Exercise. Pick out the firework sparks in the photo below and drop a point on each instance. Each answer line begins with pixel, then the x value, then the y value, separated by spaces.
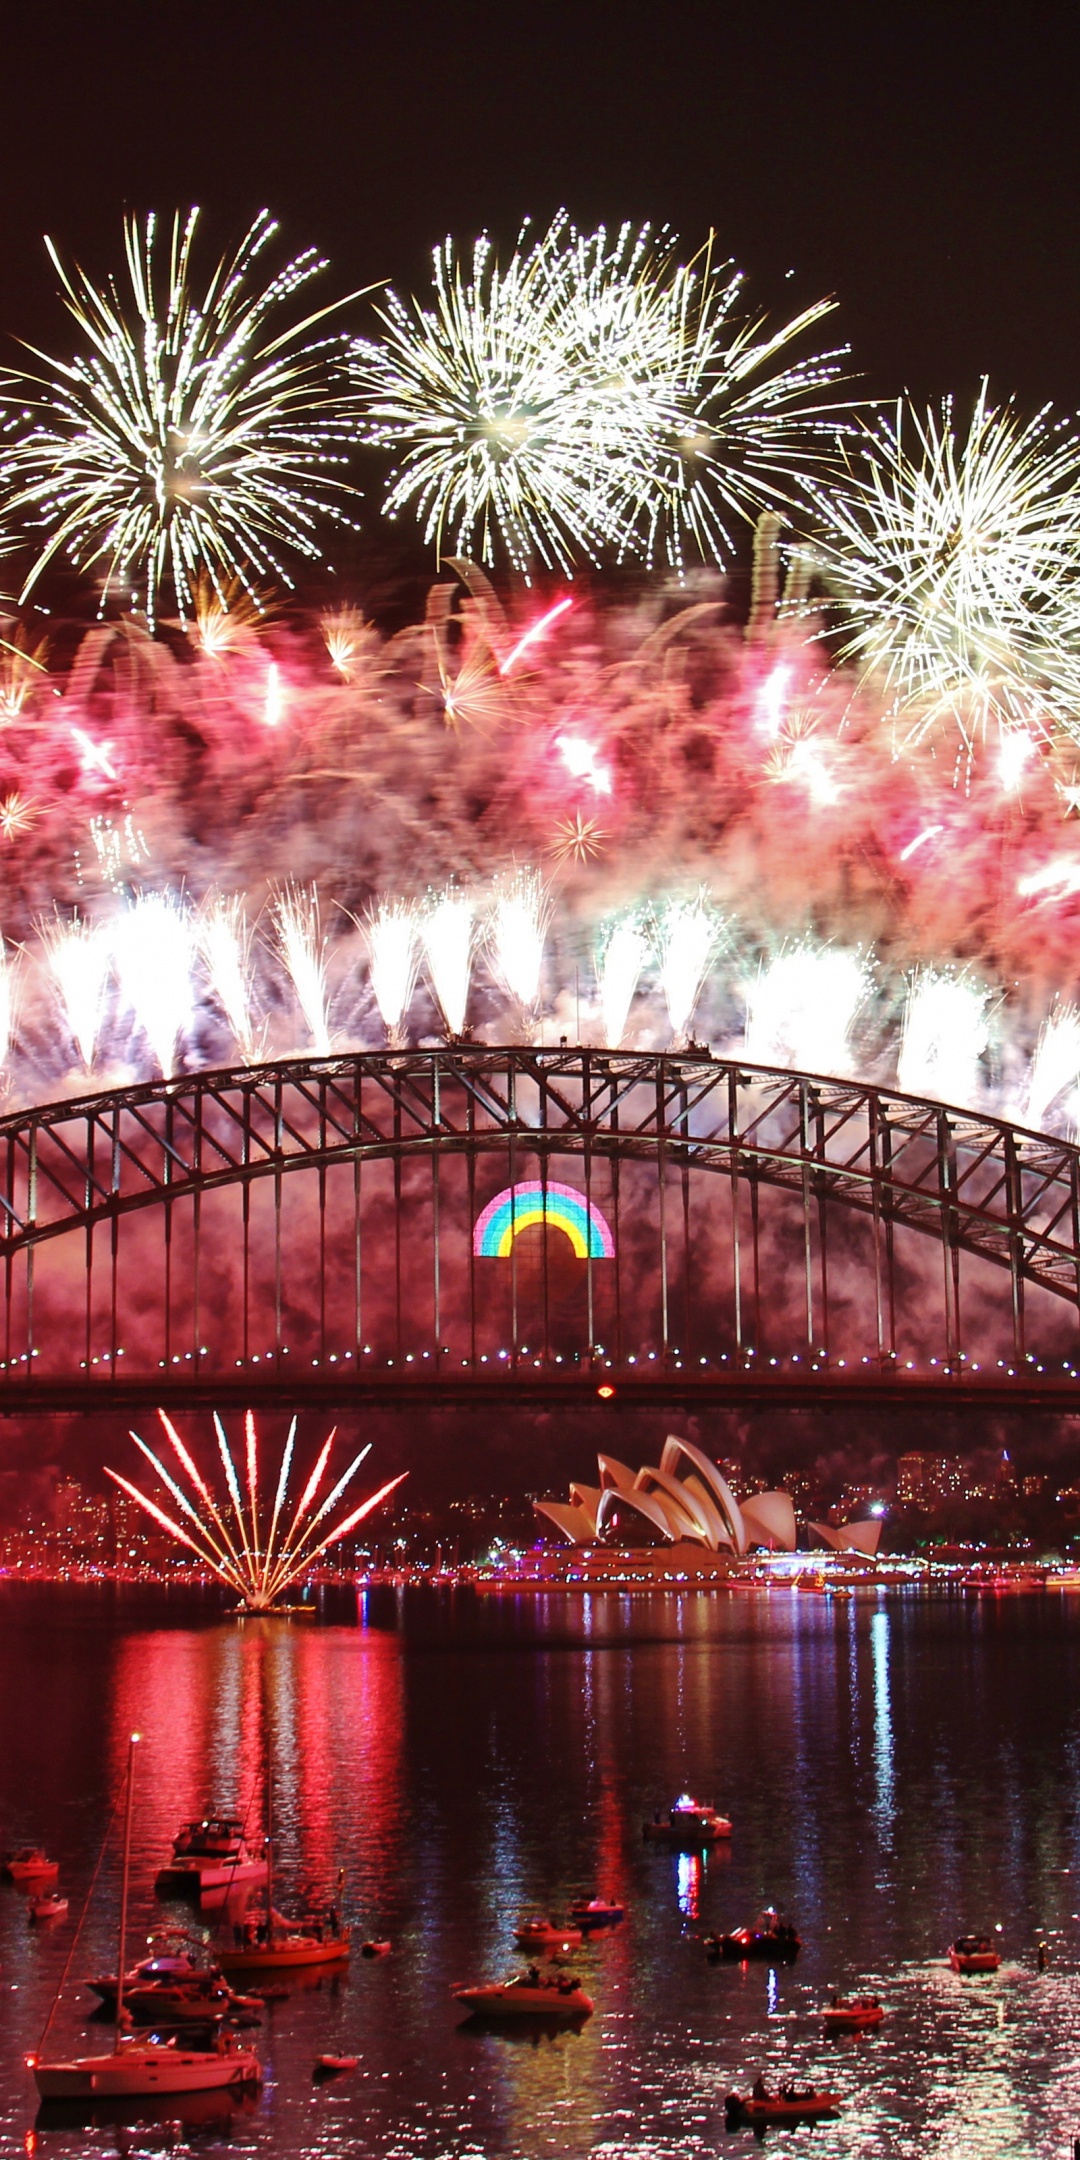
pixel 944 1037
pixel 1055 1066
pixel 578 839
pixel 22 669
pixel 516 930
pixel 689 933
pixel 7 1001
pixel 152 946
pixel 225 620
pixel 803 1007
pixel 78 955
pixel 191 433
pixel 303 950
pixel 580 760
pixel 952 557
pixel 624 950
pixel 18 814
pixel 448 935
pixel 224 939
pixel 394 957
pixel 225 1535
pixel 346 636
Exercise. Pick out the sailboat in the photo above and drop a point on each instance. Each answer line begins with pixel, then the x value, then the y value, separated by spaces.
pixel 135 2068
pixel 284 1944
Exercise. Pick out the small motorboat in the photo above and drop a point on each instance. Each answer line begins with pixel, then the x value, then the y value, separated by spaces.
pixel 547 1935
pixel 771 1940
pixel 974 1954
pixel 597 1912
pixel 29 1864
pixel 528 1994
pixel 852 2013
pixel 50 1907
pixel 688 1824
pixel 162 1969
pixel 181 2002
pixel 210 1859
pixel 327 2066
pixel 790 2103
pixel 375 1949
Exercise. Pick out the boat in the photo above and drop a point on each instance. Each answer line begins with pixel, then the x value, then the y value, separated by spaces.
pixel 276 1944
pixel 162 1967
pixel 788 2104
pixel 210 1857
pixel 334 2065
pixel 135 2068
pixel 29 1864
pixel 50 1907
pixel 597 1912
pixel 528 1994
pixel 974 1954
pixel 373 1949
pixel 688 1823
pixel 183 2002
pixel 852 2013
pixel 547 1935
pixel 770 1939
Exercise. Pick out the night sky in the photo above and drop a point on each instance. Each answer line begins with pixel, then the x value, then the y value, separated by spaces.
pixel 922 163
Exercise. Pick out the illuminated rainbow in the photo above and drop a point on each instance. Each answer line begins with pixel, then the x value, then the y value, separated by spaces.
pixel 520 1205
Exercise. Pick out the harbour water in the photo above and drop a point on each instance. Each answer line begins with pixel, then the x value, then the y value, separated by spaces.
pixel 899 1768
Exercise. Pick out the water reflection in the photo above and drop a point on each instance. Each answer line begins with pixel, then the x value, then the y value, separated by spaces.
pixel 883 1729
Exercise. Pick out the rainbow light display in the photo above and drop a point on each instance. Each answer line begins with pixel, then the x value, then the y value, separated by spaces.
pixel 521 1205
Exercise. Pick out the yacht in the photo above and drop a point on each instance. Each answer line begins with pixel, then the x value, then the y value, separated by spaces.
pixel 688 1824
pixel 210 1856
pixel 528 1994
pixel 547 1935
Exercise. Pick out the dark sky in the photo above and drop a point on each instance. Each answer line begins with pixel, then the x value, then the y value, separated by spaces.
pixel 922 162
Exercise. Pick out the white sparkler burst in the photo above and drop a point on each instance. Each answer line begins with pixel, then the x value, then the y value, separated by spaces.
pixel 153 949
pixel 302 948
pixel 622 953
pixel 1055 1066
pixel 193 431
pixel 953 557
pixel 802 1009
pixel 227 1535
pixel 945 1034
pixel 448 934
pixel 593 394
pixel 224 939
pixel 394 957
pixel 516 927
pixel 7 1001
pixel 347 637
pixel 688 935
pixel 79 958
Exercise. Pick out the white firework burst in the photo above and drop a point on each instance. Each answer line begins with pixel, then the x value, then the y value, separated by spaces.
pixel 593 394
pixel 952 556
pixel 194 432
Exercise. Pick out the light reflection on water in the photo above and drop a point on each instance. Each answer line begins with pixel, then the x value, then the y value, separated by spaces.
pixel 896 1769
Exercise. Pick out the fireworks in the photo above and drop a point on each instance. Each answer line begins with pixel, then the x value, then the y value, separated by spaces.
pixel 689 933
pixel 1055 1067
pixel 194 433
pixel 516 937
pixel 593 395
pixel 953 557
pixel 624 949
pixel 945 1035
pixel 152 947
pixel 227 1535
pixel 392 944
pixel 224 938
pixel 79 958
pixel 303 950
pixel 448 934
pixel 803 1007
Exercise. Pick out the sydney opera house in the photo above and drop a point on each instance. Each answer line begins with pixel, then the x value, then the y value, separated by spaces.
pixel 687 1501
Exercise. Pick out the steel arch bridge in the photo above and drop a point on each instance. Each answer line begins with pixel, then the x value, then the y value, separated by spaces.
pixel 303 1230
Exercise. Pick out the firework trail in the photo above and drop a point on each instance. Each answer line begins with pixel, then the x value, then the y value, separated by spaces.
pixel 194 433
pixel 260 1570
pixel 79 958
pixel 624 950
pixel 224 940
pixel 392 944
pixel 303 950
pixel 803 1007
pixel 7 1000
pixel 516 931
pixel 448 935
pixel 688 935
pixel 953 559
pixel 1055 1066
pixel 945 1036
pixel 152 947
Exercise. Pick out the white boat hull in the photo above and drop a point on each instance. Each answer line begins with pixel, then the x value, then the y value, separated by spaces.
pixel 191 1879
pixel 139 2070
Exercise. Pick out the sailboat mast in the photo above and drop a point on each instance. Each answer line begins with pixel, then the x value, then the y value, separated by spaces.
pixel 124 1882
